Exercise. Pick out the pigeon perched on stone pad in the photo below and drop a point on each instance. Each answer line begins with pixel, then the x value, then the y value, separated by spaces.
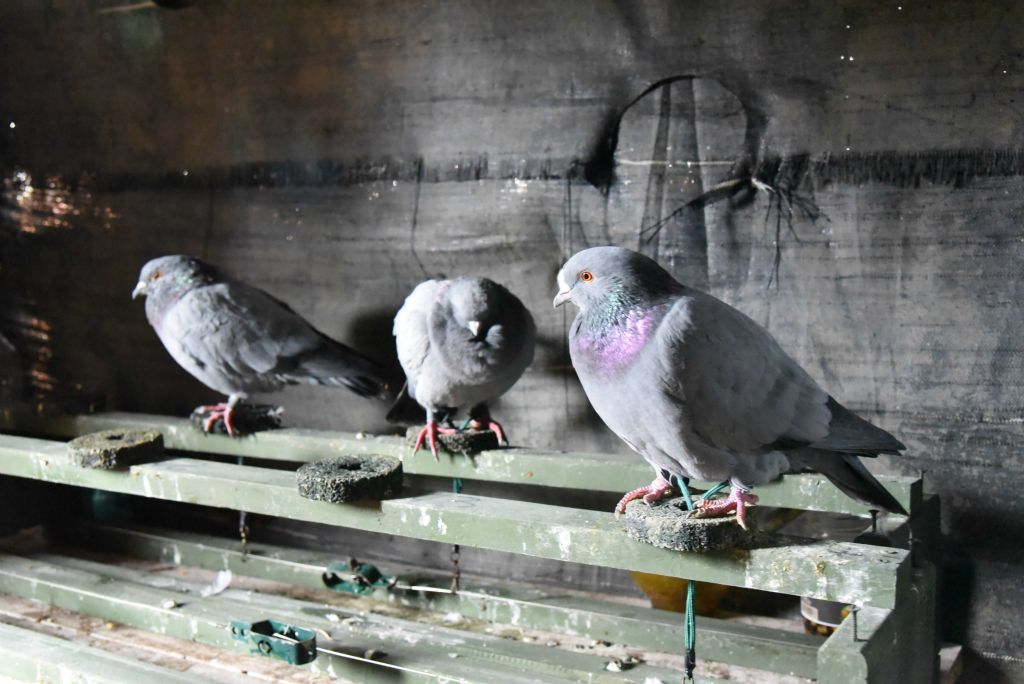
pixel 702 391
pixel 461 343
pixel 238 340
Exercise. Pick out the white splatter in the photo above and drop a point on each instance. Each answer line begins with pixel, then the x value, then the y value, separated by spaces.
pixel 564 542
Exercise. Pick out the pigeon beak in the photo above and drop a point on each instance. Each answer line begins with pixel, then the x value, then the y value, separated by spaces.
pixel 140 288
pixel 474 327
pixel 562 297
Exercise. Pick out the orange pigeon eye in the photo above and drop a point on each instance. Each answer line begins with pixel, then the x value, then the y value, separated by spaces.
pixel 156 275
pixel 586 276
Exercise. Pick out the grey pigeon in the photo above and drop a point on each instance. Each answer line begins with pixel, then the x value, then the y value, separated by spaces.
pixel 237 339
pixel 700 390
pixel 461 343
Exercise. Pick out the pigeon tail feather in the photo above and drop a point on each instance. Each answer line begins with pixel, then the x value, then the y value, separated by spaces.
pixel 850 433
pixel 847 473
pixel 336 365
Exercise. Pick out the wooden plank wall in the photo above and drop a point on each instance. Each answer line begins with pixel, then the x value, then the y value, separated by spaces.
pixel 335 153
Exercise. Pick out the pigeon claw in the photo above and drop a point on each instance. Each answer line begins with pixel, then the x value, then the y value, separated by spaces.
pixel 224 412
pixel 429 434
pixel 738 500
pixel 652 493
pixel 492 425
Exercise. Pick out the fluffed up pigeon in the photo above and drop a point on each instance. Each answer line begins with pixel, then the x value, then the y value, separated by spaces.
pixel 700 390
pixel 237 339
pixel 461 343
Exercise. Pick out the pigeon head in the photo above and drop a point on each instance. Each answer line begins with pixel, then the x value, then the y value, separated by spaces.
pixel 475 302
pixel 170 276
pixel 609 279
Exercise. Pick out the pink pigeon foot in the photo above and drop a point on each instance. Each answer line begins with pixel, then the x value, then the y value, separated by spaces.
pixel 225 412
pixel 656 491
pixel 492 425
pixel 738 500
pixel 429 433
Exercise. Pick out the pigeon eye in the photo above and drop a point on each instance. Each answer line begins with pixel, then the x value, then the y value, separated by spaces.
pixel 586 276
pixel 156 275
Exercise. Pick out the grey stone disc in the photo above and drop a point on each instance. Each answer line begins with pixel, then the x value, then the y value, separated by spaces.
pixel 464 442
pixel 115 448
pixel 349 478
pixel 667 524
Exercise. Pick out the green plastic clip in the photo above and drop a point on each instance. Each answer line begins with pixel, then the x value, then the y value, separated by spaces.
pixel 353 577
pixel 278 640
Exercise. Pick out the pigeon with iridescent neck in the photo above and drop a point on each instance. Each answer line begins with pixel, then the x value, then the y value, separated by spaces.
pixel 462 343
pixel 237 339
pixel 702 391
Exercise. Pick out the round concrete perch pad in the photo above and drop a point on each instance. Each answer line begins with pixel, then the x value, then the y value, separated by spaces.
pixel 349 478
pixel 668 525
pixel 115 448
pixel 465 442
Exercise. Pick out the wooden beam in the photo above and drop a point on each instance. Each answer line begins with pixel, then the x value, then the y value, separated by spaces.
pixel 593 472
pixel 506 602
pixel 30 656
pixel 851 573
pixel 887 645
pixel 420 652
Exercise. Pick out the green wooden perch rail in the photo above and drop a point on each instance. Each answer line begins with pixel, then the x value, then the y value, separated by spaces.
pixel 894 588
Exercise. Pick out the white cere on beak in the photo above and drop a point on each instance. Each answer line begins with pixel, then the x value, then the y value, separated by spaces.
pixel 140 288
pixel 474 327
pixel 562 285
pixel 564 292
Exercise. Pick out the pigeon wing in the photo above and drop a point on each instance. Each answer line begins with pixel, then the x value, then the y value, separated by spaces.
pixel 412 332
pixel 241 333
pixel 736 389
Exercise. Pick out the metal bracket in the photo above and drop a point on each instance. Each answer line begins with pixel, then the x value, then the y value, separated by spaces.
pixel 357 578
pixel 278 640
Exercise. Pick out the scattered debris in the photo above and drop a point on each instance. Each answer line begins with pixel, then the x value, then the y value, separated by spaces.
pixel 220 583
pixel 621 664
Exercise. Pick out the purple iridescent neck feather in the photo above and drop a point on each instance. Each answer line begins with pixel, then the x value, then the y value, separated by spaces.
pixel 608 339
pixel 615 346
